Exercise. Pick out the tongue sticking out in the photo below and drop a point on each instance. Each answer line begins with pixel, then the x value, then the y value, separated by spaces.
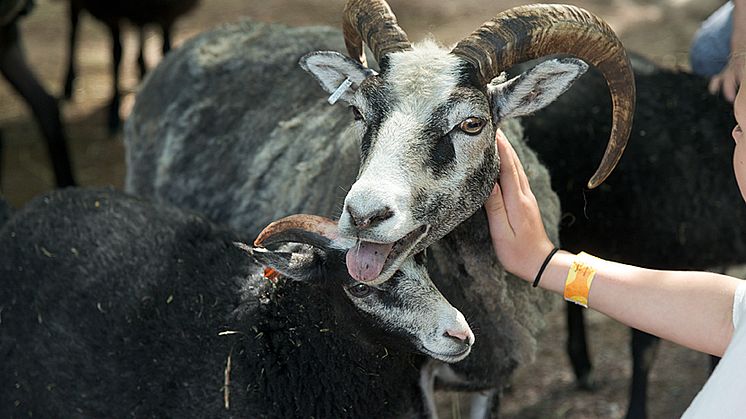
pixel 365 260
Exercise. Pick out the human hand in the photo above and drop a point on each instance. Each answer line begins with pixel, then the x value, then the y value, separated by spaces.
pixel 518 236
pixel 729 79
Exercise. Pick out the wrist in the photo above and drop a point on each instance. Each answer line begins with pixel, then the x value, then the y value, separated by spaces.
pixel 531 263
pixel 544 264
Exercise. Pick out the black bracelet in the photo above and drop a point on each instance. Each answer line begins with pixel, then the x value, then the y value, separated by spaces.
pixel 543 266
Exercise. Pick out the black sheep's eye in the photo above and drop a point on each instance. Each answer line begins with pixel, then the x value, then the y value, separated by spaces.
pixel 360 290
pixel 356 114
pixel 472 125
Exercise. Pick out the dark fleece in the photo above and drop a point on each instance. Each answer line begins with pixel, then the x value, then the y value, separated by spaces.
pixel 672 202
pixel 112 307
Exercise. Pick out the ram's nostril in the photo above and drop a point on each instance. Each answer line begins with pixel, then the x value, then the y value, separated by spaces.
pixel 460 335
pixel 381 215
pixel 364 220
pixel 354 215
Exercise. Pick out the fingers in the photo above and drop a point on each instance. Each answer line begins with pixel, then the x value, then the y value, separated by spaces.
pixel 495 207
pixel 730 87
pixel 714 86
pixel 511 170
pixel 726 82
pixel 509 176
pixel 511 164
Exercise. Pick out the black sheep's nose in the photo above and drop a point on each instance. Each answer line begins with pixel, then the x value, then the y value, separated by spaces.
pixel 362 220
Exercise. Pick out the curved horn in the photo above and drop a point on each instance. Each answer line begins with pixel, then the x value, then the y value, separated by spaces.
pixel 372 21
pixel 527 32
pixel 300 228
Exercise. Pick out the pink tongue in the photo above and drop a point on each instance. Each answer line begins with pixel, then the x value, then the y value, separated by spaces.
pixel 365 261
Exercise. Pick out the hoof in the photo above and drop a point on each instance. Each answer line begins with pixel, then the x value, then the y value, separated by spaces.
pixel 586 382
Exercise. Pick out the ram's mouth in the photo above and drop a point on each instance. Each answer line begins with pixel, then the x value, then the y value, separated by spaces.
pixel 449 357
pixel 374 263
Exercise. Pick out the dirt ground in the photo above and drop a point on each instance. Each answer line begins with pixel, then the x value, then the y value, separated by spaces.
pixel 659 29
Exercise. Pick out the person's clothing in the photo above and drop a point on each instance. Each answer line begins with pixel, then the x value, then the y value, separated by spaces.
pixel 724 394
pixel 710 48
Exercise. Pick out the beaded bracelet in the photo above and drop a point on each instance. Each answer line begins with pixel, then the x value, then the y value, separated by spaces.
pixel 579 278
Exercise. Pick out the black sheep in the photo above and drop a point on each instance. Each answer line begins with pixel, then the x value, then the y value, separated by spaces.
pixel 111 13
pixel 114 307
pixel 672 203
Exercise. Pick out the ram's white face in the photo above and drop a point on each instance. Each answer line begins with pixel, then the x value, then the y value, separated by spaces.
pixel 428 156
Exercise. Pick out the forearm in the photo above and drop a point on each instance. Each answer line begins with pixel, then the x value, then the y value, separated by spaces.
pixel 693 309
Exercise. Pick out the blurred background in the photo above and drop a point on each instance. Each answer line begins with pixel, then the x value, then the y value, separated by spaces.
pixel 658 29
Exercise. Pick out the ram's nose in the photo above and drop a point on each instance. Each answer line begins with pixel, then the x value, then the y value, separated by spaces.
pixel 368 218
pixel 462 335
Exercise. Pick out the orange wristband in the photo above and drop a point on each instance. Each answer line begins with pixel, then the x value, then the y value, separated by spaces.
pixel 579 278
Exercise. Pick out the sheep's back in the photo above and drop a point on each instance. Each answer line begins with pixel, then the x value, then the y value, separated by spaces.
pixel 672 202
pixel 107 302
pixel 231 126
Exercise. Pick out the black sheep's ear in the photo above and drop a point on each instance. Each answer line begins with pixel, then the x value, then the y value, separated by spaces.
pixel 303 265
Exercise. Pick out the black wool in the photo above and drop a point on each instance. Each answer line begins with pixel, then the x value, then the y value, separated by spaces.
pixel 115 307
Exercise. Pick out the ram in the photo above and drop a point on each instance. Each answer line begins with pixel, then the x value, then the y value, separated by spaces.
pixel 672 202
pixel 114 307
pixel 229 126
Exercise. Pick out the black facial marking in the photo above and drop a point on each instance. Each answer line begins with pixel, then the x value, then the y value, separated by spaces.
pixel 479 182
pixel 441 156
pixel 387 295
pixel 379 103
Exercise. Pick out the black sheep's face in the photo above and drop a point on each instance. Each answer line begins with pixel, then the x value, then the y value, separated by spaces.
pixel 407 309
pixel 428 154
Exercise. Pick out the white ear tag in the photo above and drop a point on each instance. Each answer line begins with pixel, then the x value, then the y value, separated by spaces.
pixel 340 91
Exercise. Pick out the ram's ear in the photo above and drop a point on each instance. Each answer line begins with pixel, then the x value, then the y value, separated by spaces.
pixel 534 89
pixel 338 75
pixel 306 264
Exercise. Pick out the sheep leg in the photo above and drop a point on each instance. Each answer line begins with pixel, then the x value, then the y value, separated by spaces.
pixel 116 51
pixel 1 162
pixel 166 29
pixel 72 40
pixel 644 349
pixel 427 387
pixel 141 55
pixel 44 107
pixel 577 347
pixel 484 405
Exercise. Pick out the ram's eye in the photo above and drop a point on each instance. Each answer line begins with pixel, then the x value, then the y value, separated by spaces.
pixel 359 290
pixel 472 125
pixel 356 114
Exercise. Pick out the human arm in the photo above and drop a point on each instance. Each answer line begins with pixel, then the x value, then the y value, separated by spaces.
pixel 729 78
pixel 693 309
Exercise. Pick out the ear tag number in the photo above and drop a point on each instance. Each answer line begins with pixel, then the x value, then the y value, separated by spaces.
pixel 340 91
